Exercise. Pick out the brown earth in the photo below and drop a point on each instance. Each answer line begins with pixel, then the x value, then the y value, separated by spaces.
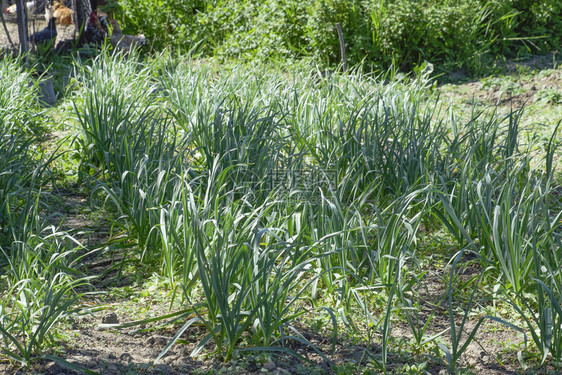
pixel 521 84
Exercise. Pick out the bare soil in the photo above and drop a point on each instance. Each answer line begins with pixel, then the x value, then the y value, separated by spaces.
pixel 520 92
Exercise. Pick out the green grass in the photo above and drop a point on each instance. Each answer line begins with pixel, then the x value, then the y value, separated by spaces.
pixel 266 198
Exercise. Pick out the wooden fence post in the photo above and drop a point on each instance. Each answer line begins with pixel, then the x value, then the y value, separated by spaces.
pixel 342 47
pixel 21 13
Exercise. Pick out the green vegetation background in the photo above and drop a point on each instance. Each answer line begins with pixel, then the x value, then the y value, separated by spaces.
pixel 378 33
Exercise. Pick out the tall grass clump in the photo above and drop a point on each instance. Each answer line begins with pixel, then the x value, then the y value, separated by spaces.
pixel 20 172
pixel 542 312
pixel 263 190
pixel 42 283
pixel 321 216
pixel 250 275
pixel 112 91
pixel 540 306
pixel 501 208
pixel 127 143
pixel 18 96
pixel 17 194
pixel 490 202
pixel 246 282
pixel 144 170
pixel 375 133
pixel 39 264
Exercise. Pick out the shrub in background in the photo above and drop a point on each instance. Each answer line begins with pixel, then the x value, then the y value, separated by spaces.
pixel 166 23
pixel 525 26
pixel 408 33
pixel 377 32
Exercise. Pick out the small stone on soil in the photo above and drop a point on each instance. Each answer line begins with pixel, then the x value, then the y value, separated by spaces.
pixel 125 357
pixel 157 340
pixel 110 318
pixel 270 365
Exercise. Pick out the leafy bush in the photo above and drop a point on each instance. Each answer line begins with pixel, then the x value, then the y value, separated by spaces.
pixel 166 23
pixel 525 26
pixel 410 32
pixel 378 33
